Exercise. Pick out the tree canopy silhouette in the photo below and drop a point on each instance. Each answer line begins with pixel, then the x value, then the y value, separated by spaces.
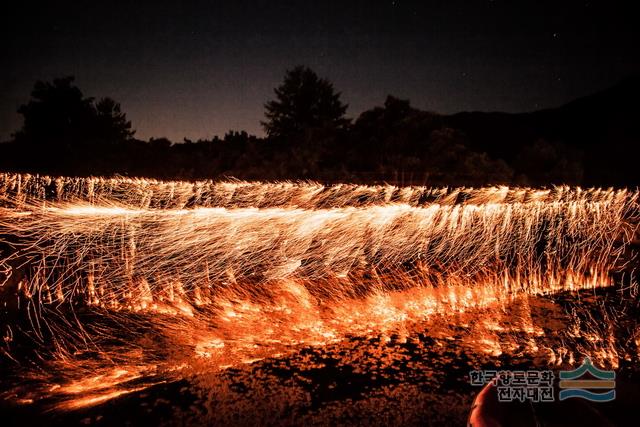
pixel 59 114
pixel 111 122
pixel 303 101
pixel 65 133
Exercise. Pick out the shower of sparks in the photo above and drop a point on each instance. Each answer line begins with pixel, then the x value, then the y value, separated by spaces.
pixel 126 283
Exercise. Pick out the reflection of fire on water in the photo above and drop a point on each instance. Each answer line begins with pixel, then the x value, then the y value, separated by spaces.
pixel 129 283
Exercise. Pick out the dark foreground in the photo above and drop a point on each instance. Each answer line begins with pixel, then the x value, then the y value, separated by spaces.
pixel 417 377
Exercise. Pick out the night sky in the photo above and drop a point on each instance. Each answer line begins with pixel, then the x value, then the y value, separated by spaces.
pixel 200 69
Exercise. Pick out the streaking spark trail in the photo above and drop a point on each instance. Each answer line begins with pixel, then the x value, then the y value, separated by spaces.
pixel 116 285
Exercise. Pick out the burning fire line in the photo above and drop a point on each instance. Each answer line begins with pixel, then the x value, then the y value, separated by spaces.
pixel 137 281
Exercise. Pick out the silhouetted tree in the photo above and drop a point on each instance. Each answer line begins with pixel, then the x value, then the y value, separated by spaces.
pixel 111 122
pixel 448 158
pixel 58 114
pixel 545 162
pixel 303 101
pixel 590 141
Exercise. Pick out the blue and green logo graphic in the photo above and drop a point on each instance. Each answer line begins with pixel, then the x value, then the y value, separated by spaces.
pixel 572 385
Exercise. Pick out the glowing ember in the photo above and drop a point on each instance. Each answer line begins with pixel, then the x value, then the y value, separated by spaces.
pixel 139 282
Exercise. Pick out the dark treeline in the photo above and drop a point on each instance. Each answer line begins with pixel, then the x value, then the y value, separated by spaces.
pixel 591 141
